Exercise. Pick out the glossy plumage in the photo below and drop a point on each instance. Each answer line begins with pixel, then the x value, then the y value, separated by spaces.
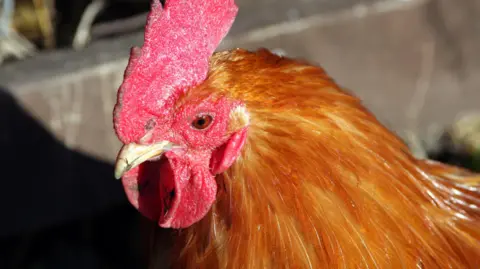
pixel 321 183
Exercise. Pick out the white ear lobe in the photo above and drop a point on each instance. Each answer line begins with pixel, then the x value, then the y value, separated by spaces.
pixel 239 118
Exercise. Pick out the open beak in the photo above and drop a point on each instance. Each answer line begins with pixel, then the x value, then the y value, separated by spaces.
pixel 133 154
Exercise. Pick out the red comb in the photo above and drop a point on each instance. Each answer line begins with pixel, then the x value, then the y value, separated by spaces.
pixel 179 40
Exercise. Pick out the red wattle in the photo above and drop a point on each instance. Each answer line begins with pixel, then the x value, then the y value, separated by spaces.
pixel 195 193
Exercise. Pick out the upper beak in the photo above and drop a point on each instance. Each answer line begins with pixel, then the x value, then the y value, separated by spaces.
pixel 133 154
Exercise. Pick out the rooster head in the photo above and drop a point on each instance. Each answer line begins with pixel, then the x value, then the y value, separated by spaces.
pixel 175 145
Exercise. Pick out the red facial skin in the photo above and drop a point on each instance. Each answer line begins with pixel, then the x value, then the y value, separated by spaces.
pixel 183 180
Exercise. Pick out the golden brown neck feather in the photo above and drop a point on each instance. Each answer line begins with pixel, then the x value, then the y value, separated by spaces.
pixel 321 184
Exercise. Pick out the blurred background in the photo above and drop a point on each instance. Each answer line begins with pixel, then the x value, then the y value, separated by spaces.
pixel 415 63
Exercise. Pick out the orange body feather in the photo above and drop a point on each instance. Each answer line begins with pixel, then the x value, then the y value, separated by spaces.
pixel 322 184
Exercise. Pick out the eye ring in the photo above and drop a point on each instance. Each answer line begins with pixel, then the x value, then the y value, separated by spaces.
pixel 202 121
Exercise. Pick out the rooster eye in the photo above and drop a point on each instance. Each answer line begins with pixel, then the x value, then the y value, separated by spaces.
pixel 202 122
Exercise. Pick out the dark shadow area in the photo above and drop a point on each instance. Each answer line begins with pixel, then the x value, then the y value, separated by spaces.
pixel 59 208
pixel 69 14
pixel 448 152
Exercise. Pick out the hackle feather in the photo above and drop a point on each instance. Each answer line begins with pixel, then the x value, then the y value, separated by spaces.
pixel 322 184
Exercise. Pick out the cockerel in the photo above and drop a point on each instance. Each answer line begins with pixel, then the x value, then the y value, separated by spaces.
pixel 260 161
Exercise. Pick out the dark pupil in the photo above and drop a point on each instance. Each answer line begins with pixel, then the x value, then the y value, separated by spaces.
pixel 202 122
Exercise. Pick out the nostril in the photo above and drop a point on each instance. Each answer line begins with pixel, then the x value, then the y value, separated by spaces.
pixel 150 124
pixel 172 194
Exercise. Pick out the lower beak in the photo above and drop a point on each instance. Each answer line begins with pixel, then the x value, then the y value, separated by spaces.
pixel 133 154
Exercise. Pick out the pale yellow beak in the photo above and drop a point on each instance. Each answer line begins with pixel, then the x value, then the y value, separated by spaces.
pixel 133 154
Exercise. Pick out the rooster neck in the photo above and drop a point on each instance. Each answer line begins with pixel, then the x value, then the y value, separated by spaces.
pixel 322 184
pixel 261 220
